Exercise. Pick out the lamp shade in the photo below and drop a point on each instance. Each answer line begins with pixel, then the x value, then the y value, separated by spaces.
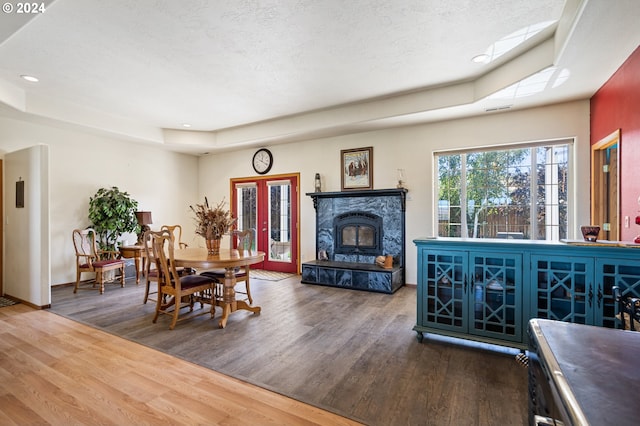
pixel 144 218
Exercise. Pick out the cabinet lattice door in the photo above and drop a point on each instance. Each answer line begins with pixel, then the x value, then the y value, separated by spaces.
pixel 497 295
pixel 445 301
pixel 625 274
pixel 565 290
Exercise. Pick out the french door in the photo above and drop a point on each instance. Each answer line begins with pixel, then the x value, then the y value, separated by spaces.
pixel 270 206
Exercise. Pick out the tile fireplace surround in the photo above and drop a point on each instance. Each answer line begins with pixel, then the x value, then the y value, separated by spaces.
pixel 353 228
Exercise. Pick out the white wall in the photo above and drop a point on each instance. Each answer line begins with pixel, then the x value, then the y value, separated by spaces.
pixel 410 148
pixel 162 182
pixel 27 272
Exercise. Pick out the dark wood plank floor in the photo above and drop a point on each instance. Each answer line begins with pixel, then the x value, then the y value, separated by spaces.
pixel 350 352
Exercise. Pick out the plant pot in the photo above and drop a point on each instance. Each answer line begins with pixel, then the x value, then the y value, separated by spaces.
pixel 213 246
pixel 108 276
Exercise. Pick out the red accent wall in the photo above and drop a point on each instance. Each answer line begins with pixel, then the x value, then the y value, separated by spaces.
pixel 616 105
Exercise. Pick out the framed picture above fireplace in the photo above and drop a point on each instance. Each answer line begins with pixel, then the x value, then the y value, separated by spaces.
pixel 357 168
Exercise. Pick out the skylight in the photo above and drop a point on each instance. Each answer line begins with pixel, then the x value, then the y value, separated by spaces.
pixel 511 41
pixel 533 84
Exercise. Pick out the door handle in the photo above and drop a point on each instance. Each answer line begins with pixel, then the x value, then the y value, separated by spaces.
pixel 600 295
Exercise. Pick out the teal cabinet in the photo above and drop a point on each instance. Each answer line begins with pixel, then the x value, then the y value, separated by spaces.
pixel 470 293
pixel 496 282
pixel 611 272
pixel 444 295
pixel 563 288
pixel 488 289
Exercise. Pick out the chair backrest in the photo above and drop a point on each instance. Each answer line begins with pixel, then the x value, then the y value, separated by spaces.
pixel 245 239
pixel 176 231
pixel 148 250
pixel 84 242
pixel 162 245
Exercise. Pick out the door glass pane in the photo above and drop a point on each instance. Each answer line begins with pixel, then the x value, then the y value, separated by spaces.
pixel 247 207
pixel 279 221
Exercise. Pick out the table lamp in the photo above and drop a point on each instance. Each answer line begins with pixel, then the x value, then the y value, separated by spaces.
pixel 144 220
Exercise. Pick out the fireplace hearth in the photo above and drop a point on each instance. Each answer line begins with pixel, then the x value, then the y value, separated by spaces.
pixel 352 229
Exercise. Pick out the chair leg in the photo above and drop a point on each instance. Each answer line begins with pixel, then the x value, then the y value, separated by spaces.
pixel 213 300
pixel 146 291
pixel 158 305
pixel 77 281
pixel 122 276
pixel 176 312
pixel 100 280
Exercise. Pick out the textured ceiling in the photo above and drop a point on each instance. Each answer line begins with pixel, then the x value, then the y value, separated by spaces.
pixel 251 72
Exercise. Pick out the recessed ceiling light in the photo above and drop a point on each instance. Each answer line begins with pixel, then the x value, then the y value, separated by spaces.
pixel 30 78
pixel 186 125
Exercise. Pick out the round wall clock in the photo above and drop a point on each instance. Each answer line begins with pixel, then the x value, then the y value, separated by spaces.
pixel 262 161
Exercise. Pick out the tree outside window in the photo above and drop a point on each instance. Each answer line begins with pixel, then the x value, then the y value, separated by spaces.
pixel 488 194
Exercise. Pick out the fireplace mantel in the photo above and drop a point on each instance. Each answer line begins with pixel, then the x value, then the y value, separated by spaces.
pixel 402 193
pixel 356 269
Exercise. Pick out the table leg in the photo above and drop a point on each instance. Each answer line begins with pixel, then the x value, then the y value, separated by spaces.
pixel 229 302
pixel 136 259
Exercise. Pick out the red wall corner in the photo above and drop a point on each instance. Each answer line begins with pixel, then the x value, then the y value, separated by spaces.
pixel 616 105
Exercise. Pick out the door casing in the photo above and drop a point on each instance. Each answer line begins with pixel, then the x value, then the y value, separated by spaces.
pixel 605 187
pixel 295 213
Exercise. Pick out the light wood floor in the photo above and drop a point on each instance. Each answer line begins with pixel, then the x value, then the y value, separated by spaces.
pixel 59 372
pixel 350 352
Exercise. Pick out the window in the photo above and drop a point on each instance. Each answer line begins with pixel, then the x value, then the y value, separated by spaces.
pixel 519 192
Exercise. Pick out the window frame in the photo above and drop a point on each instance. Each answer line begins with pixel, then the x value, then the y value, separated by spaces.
pixel 571 176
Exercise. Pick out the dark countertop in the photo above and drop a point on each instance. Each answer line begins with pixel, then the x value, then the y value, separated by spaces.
pixel 601 367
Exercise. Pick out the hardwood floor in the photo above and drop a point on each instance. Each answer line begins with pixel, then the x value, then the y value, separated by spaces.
pixel 353 353
pixel 58 372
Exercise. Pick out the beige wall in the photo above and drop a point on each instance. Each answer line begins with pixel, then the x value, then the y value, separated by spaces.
pixel 27 258
pixel 80 163
pixel 410 148
pixel 167 183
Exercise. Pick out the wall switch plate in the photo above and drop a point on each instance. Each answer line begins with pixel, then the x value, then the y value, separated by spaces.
pixel 626 221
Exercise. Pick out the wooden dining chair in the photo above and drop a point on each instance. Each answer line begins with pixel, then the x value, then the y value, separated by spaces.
pixel 151 272
pixel 90 259
pixel 245 240
pixel 176 232
pixel 176 292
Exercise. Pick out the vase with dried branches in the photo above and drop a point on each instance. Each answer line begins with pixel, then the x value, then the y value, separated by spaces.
pixel 212 223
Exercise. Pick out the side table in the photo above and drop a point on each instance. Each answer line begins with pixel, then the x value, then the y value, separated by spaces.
pixel 138 254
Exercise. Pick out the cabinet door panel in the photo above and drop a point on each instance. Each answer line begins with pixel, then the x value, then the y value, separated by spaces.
pixel 496 288
pixel 445 290
pixel 624 274
pixel 565 289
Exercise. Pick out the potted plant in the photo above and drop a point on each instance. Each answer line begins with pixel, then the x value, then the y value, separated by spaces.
pixel 212 223
pixel 112 213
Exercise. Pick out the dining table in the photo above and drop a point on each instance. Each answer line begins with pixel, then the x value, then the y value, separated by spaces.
pixel 200 259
